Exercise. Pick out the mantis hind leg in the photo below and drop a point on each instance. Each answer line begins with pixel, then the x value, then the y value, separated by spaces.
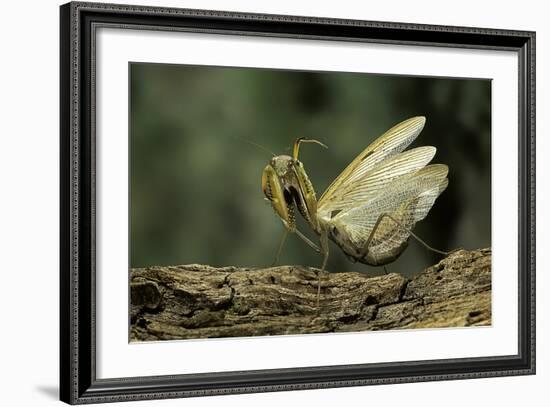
pixel 419 240
pixel 399 225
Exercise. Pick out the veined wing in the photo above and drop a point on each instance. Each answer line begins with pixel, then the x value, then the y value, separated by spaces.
pixel 389 238
pixel 387 145
pixel 408 199
pixel 359 189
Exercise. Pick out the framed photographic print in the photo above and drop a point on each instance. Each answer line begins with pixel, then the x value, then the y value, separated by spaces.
pixel 256 203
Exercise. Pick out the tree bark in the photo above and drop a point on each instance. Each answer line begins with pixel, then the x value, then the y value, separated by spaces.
pixel 199 301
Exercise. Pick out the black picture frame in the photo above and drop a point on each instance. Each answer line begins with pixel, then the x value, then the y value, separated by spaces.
pixel 78 382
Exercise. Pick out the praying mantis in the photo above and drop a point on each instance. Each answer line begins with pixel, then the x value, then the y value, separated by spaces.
pixel 370 209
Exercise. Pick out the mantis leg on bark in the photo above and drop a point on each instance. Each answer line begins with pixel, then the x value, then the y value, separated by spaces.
pixel 283 240
pixel 323 240
pixel 400 225
pixel 280 249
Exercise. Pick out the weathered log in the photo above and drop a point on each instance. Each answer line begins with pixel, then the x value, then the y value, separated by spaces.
pixel 198 301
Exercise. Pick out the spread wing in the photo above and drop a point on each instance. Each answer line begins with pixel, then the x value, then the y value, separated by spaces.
pixel 358 190
pixel 387 145
pixel 407 199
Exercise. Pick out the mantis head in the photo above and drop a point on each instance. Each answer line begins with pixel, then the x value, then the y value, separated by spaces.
pixel 285 183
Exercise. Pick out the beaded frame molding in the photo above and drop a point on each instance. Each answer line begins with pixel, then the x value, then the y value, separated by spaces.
pixel 78 381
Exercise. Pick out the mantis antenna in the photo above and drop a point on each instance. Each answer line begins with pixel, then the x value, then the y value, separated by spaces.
pixel 255 145
pixel 304 140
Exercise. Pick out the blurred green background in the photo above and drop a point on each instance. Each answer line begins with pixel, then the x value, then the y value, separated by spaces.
pixel 196 194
